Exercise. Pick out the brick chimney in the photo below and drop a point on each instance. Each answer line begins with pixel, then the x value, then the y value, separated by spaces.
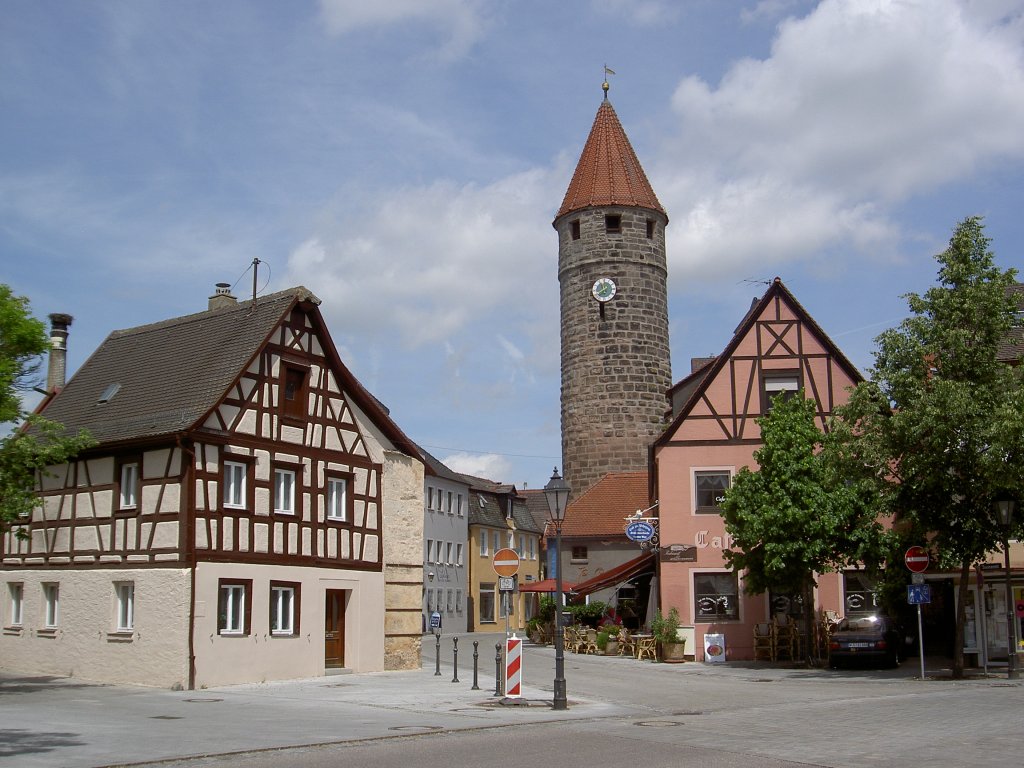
pixel 222 297
pixel 56 372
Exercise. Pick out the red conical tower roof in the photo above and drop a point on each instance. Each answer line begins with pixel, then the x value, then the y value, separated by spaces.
pixel 608 172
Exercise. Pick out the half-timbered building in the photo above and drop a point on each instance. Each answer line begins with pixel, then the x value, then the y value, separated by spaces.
pixel 250 512
pixel 777 348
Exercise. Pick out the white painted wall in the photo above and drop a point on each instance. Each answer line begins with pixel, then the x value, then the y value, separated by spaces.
pixel 259 656
pixel 85 643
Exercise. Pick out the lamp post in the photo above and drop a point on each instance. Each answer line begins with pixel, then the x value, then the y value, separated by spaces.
pixel 1005 507
pixel 557 494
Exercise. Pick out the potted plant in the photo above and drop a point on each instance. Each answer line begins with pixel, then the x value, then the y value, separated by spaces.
pixel 608 639
pixel 666 632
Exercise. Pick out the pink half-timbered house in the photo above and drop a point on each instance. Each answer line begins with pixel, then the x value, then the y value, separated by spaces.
pixel 250 511
pixel 777 348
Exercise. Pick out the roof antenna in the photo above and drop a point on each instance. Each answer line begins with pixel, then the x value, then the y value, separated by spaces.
pixel 604 85
pixel 255 269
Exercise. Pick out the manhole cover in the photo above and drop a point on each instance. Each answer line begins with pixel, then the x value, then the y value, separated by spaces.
pixel 165 717
pixel 686 714
pixel 657 723
pixel 415 728
pixel 203 701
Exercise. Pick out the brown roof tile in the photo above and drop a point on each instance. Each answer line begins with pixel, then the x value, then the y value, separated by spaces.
pixel 602 509
pixel 608 172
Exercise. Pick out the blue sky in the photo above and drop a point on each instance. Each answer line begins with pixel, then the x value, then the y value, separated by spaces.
pixel 404 160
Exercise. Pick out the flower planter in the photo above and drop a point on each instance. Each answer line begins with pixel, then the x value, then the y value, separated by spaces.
pixel 673 653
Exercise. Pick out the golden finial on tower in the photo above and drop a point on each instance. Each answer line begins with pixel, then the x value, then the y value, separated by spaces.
pixel 604 85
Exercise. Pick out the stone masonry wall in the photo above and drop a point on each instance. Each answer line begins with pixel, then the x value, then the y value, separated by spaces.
pixel 616 369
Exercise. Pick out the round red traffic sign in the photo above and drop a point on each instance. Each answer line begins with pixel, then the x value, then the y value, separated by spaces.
pixel 506 562
pixel 917 559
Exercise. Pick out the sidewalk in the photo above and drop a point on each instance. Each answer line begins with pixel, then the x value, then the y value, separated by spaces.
pixel 47 721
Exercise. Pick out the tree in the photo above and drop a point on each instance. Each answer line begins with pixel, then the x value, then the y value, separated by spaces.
pixel 22 342
pixel 34 443
pixel 935 428
pixel 795 517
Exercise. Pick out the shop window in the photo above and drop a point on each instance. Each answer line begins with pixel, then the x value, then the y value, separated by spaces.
pixel 716 596
pixel 859 596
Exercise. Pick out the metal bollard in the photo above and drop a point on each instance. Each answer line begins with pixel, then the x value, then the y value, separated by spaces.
pixel 437 657
pixel 497 669
pixel 455 658
pixel 476 661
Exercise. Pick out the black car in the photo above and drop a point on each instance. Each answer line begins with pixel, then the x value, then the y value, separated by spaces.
pixel 869 638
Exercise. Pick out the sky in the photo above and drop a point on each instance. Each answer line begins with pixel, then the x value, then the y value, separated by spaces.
pixel 404 160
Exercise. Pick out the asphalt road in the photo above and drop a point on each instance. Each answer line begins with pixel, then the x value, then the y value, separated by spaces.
pixel 622 712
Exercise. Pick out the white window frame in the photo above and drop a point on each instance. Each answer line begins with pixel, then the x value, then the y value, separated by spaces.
pixel 124 592
pixel 451 511
pixel 234 621
pixel 337 501
pixel 459 508
pixel 448 553
pixel 51 605
pixel 458 601
pixel 284 491
pixel 282 610
pixel 485 538
pixel 129 485
pixel 16 593
pixel 697 471
pixel 497 540
pixel 430 551
pixel 458 554
pixel 235 479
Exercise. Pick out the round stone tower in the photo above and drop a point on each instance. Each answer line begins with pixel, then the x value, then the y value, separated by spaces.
pixel 612 276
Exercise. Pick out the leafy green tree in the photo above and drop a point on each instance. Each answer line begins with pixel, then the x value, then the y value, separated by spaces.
pixel 795 516
pixel 937 427
pixel 22 342
pixel 33 442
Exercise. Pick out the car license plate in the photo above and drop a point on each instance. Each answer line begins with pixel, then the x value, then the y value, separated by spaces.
pixel 862 645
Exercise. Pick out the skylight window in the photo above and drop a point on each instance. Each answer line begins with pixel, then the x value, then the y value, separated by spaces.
pixel 109 392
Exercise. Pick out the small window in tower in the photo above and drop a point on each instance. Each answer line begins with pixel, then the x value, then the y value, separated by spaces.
pixel 574 227
pixel 650 229
pixel 612 222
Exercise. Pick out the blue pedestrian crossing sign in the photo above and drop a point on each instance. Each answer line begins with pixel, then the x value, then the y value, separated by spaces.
pixel 919 594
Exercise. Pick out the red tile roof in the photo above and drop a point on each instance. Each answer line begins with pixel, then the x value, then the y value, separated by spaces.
pixel 602 509
pixel 608 172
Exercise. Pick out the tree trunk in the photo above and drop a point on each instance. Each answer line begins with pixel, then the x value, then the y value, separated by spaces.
pixel 961 620
pixel 810 652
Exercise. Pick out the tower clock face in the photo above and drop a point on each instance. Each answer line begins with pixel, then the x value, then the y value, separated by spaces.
pixel 604 289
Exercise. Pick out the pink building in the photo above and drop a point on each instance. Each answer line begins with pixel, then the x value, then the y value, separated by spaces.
pixel 777 348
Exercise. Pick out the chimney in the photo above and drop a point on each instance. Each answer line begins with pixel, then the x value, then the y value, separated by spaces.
pixel 696 363
pixel 56 372
pixel 222 297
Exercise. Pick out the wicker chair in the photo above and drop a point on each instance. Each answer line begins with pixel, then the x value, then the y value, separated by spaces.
pixel 764 642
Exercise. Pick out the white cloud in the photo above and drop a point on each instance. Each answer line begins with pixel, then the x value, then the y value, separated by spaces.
pixel 460 20
pixel 861 105
pixel 429 262
pixel 641 13
pixel 486 465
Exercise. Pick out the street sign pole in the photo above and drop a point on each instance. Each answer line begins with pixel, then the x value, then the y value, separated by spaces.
pixel 917 559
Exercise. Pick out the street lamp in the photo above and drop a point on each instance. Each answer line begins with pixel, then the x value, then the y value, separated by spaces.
pixel 1005 506
pixel 557 494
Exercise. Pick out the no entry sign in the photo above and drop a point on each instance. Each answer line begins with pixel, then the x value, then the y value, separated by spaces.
pixel 506 562
pixel 916 559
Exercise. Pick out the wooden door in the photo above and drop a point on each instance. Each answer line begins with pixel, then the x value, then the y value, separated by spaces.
pixel 334 628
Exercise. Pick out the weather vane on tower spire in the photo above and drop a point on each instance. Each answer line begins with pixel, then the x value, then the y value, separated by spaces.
pixel 604 85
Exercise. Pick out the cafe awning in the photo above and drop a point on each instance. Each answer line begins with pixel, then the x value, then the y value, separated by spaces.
pixel 616 575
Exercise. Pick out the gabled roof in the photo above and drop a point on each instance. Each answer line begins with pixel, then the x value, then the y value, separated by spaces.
pixel 694 385
pixel 603 507
pixel 608 172
pixel 170 374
